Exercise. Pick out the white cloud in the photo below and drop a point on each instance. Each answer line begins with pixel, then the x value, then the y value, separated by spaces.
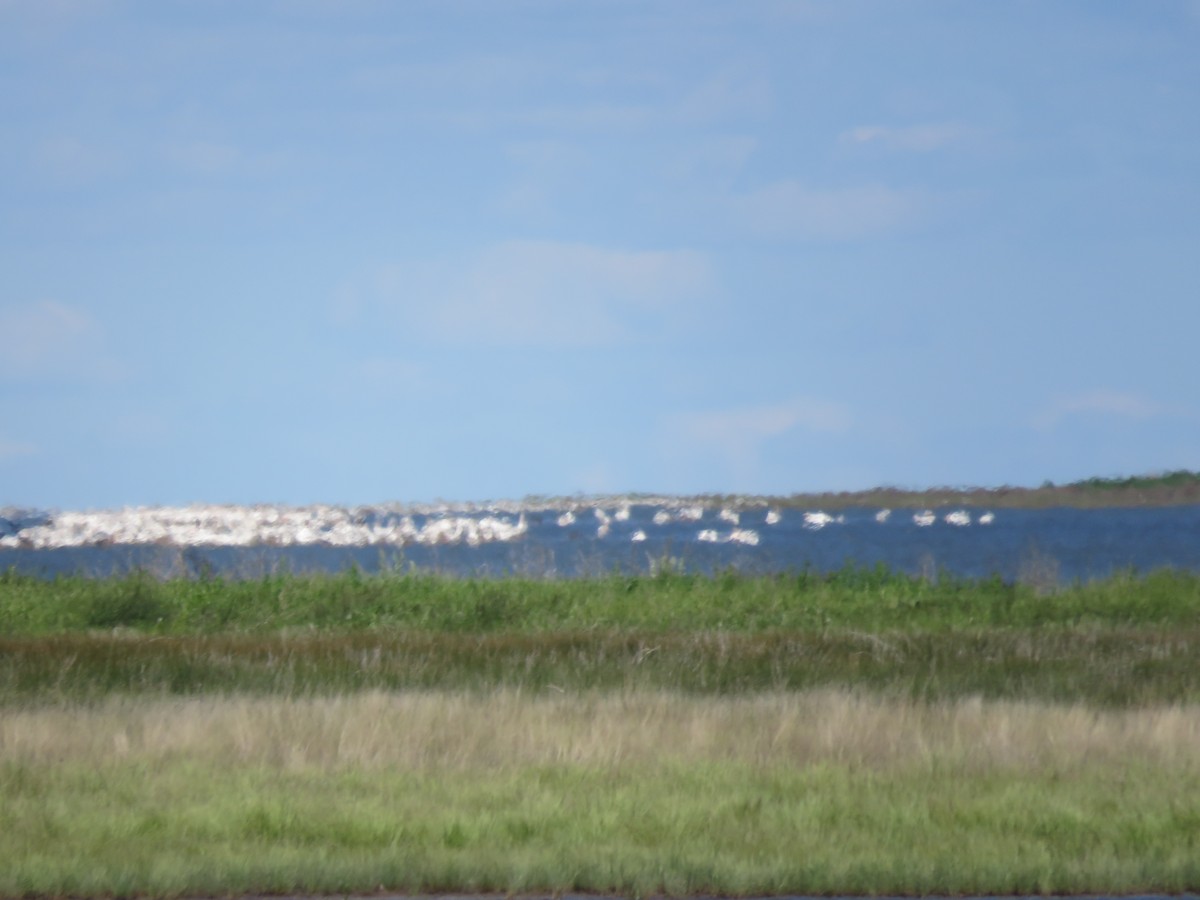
pixel 1120 404
pixel 379 378
pixel 52 13
pixel 544 293
pixel 15 449
pixel 731 93
pixel 913 138
pixel 808 10
pixel 202 157
pixel 758 423
pixel 461 76
pixel 716 157
pixel 546 170
pixel 557 156
pixel 791 209
pixel 593 117
pixel 47 339
pixel 737 435
pixel 72 161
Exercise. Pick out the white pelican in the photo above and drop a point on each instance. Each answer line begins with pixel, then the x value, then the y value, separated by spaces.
pixel 815 521
pixel 744 536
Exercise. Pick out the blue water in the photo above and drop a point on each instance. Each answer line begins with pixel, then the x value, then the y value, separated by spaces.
pixel 1043 546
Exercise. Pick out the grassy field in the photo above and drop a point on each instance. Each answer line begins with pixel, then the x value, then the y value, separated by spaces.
pixel 873 600
pixel 860 732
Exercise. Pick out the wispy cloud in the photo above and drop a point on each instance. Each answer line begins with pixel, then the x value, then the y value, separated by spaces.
pixel 792 209
pixel 55 13
pixel 735 92
pixel 15 449
pixel 575 117
pixel 757 423
pixel 384 377
pixel 546 169
pixel 202 157
pixel 719 157
pixel 546 293
pixel 923 138
pixel 70 160
pixel 47 339
pixel 738 435
pixel 1119 404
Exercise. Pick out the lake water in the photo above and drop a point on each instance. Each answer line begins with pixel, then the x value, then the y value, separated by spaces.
pixel 595 536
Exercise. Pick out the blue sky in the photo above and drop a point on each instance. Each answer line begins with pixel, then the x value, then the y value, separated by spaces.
pixel 362 251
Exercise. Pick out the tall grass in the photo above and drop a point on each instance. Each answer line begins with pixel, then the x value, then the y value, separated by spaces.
pixel 826 792
pixel 1115 667
pixel 853 598
pixel 508 729
pixel 858 732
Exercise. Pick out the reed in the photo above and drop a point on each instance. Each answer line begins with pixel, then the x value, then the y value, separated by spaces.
pixel 858 732
pixel 634 793
pixel 853 598
pixel 1112 667
pixel 505 729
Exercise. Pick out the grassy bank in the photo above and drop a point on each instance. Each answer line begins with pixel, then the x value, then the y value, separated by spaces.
pixel 1123 641
pixel 872 600
pixel 1114 667
pixel 1175 488
pixel 630 792
pixel 860 732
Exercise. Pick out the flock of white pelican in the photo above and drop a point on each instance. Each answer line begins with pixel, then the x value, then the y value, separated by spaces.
pixel 397 526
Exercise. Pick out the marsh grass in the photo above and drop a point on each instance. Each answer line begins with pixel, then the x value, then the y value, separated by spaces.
pixel 852 598
pixel 1104 667
pixel 859 732
pixel 637 793
pixel 507 729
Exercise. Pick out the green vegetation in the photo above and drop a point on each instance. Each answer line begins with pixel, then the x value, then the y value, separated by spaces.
pixel 873 600
pixel 856 732
pixel 700 828
pixel 1166 489
pixel 1107 667
pixel 1181 479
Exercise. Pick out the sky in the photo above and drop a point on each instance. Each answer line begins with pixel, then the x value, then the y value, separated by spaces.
pixel 365 251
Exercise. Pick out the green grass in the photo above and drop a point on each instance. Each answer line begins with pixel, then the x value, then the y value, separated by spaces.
pixel 629 792
pixel 1120 667
pixel 860 732
pixel 707 828
pixel 853 598
pixel 1123 641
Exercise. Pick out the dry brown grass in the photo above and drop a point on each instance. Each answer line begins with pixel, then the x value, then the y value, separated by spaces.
pixel 505 729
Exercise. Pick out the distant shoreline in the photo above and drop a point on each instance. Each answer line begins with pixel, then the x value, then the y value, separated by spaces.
pixel 1177 488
